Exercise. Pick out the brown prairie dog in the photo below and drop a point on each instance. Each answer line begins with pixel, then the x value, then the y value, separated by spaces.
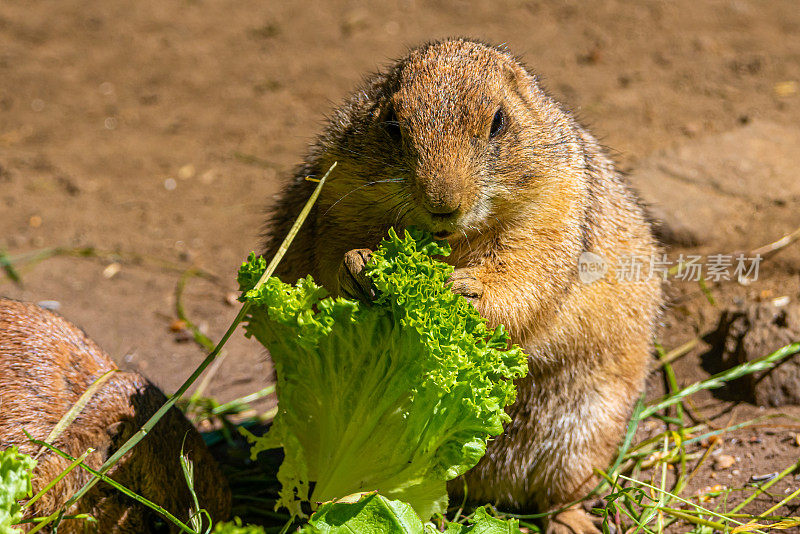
pixel 459 139
pixel 46 364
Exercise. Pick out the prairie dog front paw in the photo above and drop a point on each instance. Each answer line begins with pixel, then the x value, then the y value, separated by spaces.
pixel 353 282
pixel 466 283
pixel 571 521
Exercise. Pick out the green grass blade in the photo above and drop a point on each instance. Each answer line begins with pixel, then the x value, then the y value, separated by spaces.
pixel 76 409
pixel 138 436
pixel 719 380
pixel 222 408
pixel 100 476
pixel 60 476
pixel 764 487
pixel 8 267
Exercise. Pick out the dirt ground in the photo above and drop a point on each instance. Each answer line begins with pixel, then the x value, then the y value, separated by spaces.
pixel 161 130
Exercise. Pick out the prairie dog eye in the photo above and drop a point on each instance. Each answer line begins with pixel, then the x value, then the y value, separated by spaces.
pixel 498 124
pixel 391 125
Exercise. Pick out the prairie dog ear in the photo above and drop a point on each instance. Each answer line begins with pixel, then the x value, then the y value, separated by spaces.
pixel 517 76
pixel 510 73
pixel 119 432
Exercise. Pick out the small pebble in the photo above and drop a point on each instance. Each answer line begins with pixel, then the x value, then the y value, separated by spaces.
pixel 177 325
pixel 784 89
pixel 232 299
pixel 186 172
pixel 170 184
pixel 112 270
pixel 723 461
pixel 35 221
pixel 208 176
pixel 763 478
pixel 780 302
pixel 52 305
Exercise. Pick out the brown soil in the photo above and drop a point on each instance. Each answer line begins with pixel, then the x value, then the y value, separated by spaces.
pixel 162 129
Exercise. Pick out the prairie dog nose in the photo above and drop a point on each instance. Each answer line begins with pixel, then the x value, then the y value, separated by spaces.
pixel 441 200
pixel 443 212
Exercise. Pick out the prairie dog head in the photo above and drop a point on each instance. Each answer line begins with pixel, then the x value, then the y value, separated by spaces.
pixel 456 138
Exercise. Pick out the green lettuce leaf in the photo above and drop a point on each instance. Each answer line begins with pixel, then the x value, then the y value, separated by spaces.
pixel 373 513
pixel 368 513
pixel 236 527
pixel 483 523
pixel 396 396
pixel 15 484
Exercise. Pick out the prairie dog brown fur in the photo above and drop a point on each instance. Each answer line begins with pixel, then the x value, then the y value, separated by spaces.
pixel 459 139
pixel 46 364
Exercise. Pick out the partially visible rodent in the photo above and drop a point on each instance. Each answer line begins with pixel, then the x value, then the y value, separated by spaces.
pixel 46 364
pixel 459 139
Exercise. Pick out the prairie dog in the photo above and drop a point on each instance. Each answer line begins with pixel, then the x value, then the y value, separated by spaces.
pixel 459 139
pixel 46 364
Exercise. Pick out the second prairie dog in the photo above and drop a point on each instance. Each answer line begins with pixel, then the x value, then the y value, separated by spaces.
pixel 459 139
pixel 46 364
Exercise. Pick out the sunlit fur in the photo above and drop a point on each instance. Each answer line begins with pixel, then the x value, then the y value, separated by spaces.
pixel 46 364
pixel 518 210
